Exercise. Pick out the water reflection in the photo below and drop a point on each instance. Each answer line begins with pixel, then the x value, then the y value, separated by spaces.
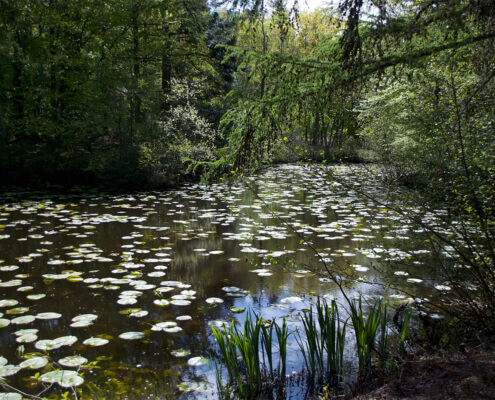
pixel 84 249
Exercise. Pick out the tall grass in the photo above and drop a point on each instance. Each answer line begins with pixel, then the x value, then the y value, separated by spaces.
pixel 323 345
pixel 372 336
pixel 366 332
pixel 240 350
pixel 250 357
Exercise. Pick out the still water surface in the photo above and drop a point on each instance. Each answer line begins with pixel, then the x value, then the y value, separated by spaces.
pixel 103 272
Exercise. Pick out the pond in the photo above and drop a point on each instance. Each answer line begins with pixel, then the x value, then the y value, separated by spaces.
pixel 123 289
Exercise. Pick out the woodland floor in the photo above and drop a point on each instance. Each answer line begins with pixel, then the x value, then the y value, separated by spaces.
pixel 462 375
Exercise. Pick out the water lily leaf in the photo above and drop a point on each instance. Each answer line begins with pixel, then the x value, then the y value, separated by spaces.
pixel 132 335
pixel 22 332
pixel 161 302
pixel 139 314
pixel 64 378
pixel 164 289
pixel 291 300
pixel 27 338
pixel 4 322
pixel 35 296
pixel 9 268
pixel 73 361
pixel 34 363
pixel 236 310
pixel 219 324
pixel 25 288
pixel 48 315
pixel 27 319
pixel 180 353
pixel 8 370
pixel 45 344
pixel 17 310
pixel 173 329
pixel 214 300
pixel 184 318
pixel 81 324
pixel 95 341
pixel 156 274
pixel 84 317
pixel 196 361
pixel 8 303
pixel 10 396
pixel 180 302
pixel 127 300
pixel 170 283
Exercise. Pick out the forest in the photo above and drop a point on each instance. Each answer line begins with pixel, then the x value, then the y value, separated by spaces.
pixel 149 94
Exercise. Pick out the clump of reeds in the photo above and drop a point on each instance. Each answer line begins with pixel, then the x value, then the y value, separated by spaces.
pixel 323 344
pixel 240 350
pixel 372 336
pixel 250 354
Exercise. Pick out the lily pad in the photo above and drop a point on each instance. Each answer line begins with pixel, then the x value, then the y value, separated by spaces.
pixel 132 335
pixel 161 302
pixel 291 300
pixel 84 317
pixel 214 300
pixel 8 303
pixel 8 370
pixel 35 296
pixel 26 319
pixel 73 361
pixel 34 363
pixel 180 353
pixel 10 396
pixel 4 322
pixel 48 315
pixel 139 314
pixel 64 378
pixel 29 338
pixel 196 362
pixel 95 341
pixel 180 302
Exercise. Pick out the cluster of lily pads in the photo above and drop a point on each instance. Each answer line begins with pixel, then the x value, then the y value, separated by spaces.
pixel 136 275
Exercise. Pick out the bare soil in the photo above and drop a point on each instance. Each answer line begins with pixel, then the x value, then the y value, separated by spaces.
pixel 462 375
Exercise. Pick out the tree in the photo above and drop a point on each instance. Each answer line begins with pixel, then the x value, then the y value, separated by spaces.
pixel 85 82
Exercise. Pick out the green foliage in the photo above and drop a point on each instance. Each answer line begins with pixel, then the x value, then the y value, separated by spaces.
pixel 182 136
pixel 240 351
pixel 248 355
pixel 366 330
pixel 85 85
pixel 324 343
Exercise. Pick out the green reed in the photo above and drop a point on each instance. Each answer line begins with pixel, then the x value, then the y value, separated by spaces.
pixel 366 332
pixel 324 343
pixel 249 357
pixel 240 350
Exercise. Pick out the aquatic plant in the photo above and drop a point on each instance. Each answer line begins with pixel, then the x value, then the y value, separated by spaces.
pixel 366 331
pixel 324 343
pixel 240 351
